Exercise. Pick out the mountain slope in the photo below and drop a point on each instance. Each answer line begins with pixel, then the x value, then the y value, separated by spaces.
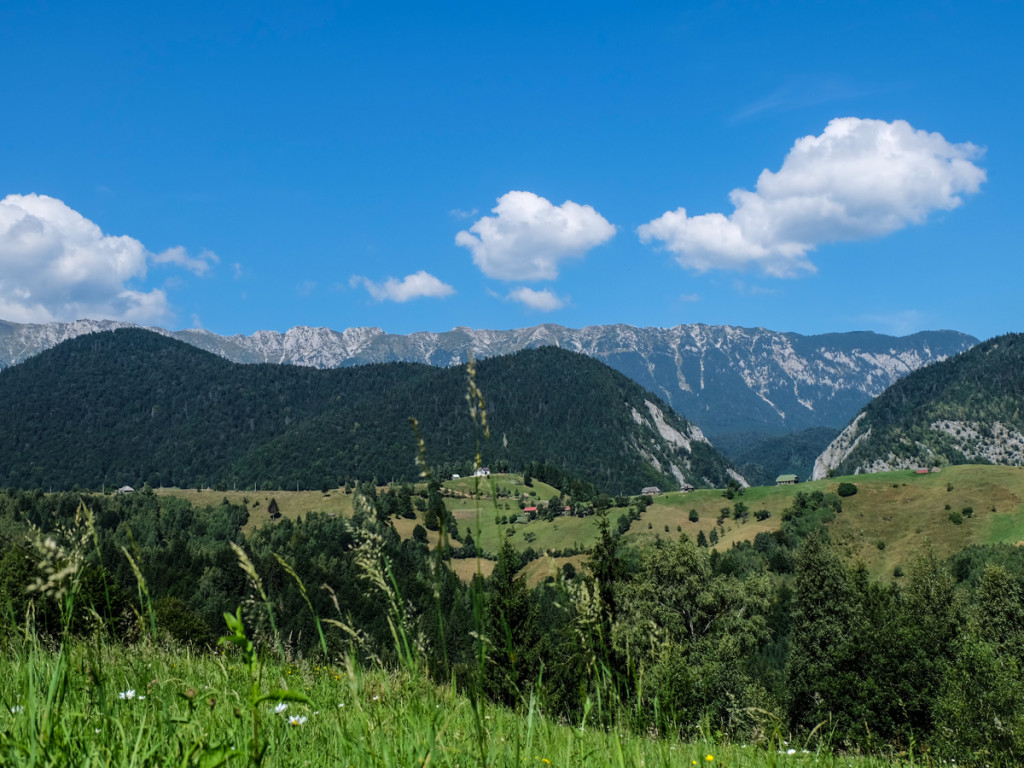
pixel 726 379
pixel 130 406
pixel 964 410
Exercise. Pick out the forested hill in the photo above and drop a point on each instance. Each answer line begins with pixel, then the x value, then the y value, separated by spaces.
pixel 131 406
pixel 967 409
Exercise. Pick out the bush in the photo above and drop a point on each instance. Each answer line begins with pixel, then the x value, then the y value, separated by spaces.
pixel 694 517
pixel 846 489
pixel 956 518
pixel 969 512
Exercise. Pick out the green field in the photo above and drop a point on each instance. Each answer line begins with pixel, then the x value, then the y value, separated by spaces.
pixel 899 510
pixel 95 703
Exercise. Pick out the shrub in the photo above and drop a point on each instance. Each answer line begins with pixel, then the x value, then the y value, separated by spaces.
pixel 969 511
pixel 956 518
pixel 694 517
pixel 846 489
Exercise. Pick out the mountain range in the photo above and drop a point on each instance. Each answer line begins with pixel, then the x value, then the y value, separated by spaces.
pixel 132 406
pixel 735 383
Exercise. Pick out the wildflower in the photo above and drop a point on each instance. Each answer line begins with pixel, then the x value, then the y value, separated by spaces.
pixel 281 707
pixel 790 751
pixel 129 695
pixel 296 720
pixel 709 758
pixel 17 709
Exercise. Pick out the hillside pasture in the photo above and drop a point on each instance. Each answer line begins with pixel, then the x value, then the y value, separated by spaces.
pixel 890 519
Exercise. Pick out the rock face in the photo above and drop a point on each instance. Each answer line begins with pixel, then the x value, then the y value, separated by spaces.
pixel 727 379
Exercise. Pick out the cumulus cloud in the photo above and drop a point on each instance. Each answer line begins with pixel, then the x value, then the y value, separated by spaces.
pixel 529 236
pixel 414 286
pixel 542 301
pixel 858 179
pixel 55 264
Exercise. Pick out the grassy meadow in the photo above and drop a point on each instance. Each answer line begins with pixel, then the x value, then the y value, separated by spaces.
pixel 884 525
pixel 97 703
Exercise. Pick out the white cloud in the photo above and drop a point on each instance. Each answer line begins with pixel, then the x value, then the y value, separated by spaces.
pixel 412 286
pixel 542 301
pixel 197 265
pixel 858 179
pixel 529 236
pixel 55 264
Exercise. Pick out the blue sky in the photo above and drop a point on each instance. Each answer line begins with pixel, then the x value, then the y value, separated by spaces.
pixel 809 167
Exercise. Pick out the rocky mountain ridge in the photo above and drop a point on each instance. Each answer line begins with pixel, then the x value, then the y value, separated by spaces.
pixel 727 379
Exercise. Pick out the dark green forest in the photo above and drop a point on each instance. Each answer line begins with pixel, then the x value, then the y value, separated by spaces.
pixel 775 636
pixel 133 407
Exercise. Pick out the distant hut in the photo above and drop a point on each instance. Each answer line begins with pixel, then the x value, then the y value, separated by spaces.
pixel 787 480
pixel 650 490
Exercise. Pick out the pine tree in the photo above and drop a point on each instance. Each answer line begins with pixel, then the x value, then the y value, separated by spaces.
pixel 824 613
